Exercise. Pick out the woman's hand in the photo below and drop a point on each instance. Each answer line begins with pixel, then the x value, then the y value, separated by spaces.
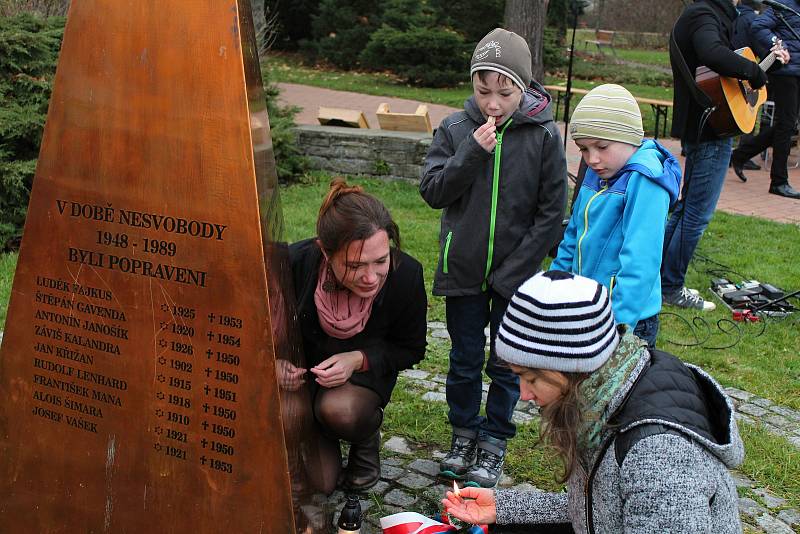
pixel 290 377
pixel 474 505
pixel 337 369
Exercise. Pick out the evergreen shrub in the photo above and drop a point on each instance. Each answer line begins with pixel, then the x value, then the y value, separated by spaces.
pixel 29 47
pixel 341 30
pixel 434 57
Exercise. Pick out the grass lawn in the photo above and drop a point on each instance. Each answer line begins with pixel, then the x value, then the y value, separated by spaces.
pixel 8 263
pixel 289 69
pixel 762 361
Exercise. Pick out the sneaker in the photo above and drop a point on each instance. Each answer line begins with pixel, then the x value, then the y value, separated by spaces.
pixel 463 451
pixel 488 467
pixel 685 298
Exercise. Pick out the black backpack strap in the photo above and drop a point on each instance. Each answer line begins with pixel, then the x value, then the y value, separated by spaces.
pixel 625 441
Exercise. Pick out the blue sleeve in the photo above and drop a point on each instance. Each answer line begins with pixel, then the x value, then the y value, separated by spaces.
pixel 644 220
pixel 565 258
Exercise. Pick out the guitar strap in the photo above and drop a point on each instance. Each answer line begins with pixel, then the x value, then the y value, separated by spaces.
pixel 698 94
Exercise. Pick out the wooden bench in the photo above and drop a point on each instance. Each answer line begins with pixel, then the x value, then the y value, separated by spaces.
pixel 419 121
pixel 561 94
pixel 351 118
pixel 602 38
pixel 660 110
pixel 660 107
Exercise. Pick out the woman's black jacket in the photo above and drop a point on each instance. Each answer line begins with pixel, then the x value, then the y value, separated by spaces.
pixel 394 337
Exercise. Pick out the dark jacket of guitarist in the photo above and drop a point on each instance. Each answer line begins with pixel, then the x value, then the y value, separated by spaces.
pixel 703 34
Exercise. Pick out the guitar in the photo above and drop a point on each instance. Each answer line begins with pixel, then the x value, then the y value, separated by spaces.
pixel 736 103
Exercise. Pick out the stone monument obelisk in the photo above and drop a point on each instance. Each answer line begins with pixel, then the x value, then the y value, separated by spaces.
pixel 138 388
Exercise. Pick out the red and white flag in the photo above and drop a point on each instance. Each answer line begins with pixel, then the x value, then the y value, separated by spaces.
pixel 413 523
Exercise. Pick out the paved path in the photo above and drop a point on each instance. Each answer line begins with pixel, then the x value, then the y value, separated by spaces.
pixel 749 198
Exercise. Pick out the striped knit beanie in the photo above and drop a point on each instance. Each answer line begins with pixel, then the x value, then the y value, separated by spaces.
pixel 504 52
pixel 558 321
pixel 609 112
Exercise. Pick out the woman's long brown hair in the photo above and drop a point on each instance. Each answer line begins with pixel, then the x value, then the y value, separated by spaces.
pixel 560 420
pixel 349 214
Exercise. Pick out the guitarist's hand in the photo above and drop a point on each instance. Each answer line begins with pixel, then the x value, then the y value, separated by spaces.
pixel 781 54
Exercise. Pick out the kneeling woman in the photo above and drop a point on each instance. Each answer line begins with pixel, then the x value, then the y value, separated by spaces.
pixel 362 312
pixel 646 439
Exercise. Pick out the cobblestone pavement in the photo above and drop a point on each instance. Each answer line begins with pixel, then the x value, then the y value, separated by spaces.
pixel 409 480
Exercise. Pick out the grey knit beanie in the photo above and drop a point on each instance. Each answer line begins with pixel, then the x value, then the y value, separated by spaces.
pixel 558 321
pixel 610 112
pixel 504 52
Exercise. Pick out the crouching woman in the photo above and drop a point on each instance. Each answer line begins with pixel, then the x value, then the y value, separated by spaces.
pixel 646 440
pixel 362 313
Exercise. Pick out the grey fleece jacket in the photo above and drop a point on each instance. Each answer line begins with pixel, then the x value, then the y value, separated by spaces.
pixel 508 219
pixel 674 482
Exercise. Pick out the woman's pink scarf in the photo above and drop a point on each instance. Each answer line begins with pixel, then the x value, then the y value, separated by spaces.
pixel 342 314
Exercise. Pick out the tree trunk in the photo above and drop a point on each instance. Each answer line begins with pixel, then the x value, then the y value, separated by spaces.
pixel 527 18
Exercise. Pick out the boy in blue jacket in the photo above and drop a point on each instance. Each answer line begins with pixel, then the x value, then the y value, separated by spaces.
pixel 616 232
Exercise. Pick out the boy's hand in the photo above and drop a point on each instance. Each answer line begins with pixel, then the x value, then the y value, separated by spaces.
pixel 485 135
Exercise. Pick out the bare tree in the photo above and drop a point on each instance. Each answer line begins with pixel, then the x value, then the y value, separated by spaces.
pixel 527 18
pixel 45 8
pixel 265 22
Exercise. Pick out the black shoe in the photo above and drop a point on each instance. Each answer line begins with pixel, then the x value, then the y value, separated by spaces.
pixel 750 165
pixel 489 466
pixel 462 454
pixel 784 190
pixel 738 169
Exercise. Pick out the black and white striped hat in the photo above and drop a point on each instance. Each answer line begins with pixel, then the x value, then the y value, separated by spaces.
pixel 558 321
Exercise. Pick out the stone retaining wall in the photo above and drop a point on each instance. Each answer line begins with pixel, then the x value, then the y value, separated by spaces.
pixel 379 153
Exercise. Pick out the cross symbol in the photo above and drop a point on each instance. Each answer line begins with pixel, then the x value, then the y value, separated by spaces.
pixel 207 389
pixel 209 353
pixel 208 371
pixel 205 407
pixel 204 442
pixel 210 335
pixel 203 460
pixel 211 317
pixel 205 425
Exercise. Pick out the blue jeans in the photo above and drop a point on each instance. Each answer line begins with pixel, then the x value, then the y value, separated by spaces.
pixel 703 177
pixel 647 329
pixel 466 319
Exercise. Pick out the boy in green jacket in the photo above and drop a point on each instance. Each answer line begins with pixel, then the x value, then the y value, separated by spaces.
pixel 498 171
